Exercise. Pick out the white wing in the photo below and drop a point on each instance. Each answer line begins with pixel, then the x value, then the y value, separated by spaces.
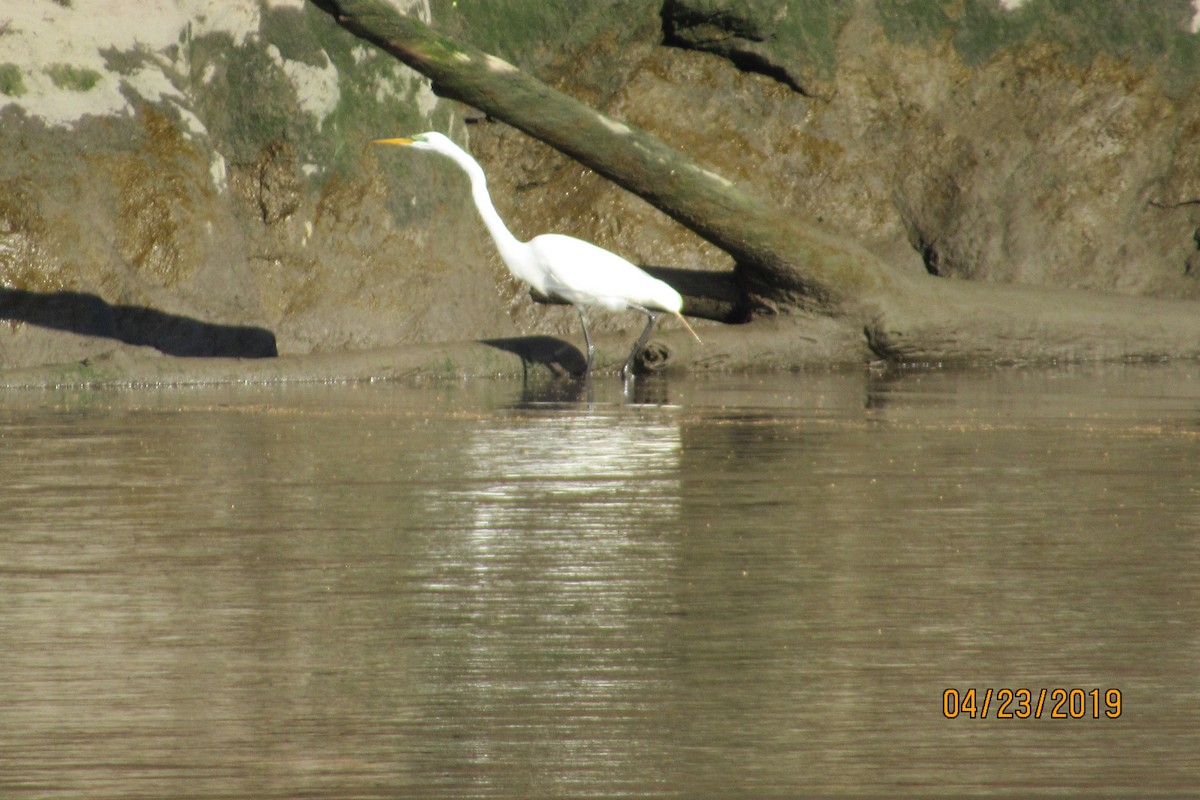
pixel 584 274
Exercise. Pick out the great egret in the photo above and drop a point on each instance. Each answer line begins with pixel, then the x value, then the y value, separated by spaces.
pixel 562 266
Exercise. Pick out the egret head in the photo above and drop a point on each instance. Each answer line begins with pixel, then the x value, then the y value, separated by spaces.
pixel 423 141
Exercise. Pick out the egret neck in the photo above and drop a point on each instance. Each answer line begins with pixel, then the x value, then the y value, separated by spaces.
pixel 512 250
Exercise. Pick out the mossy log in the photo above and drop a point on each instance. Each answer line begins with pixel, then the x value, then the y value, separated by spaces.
pixel 791 266
pixel 786 261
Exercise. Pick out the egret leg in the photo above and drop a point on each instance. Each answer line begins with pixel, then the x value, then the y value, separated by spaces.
pixel 587 338
pixel 651 318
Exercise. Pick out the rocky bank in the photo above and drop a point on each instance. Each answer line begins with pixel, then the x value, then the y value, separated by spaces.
pixel 194 179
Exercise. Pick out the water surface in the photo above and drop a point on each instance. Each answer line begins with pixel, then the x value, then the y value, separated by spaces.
pixel 742 586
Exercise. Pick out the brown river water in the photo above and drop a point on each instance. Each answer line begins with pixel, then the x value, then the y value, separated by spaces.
pixel 744 586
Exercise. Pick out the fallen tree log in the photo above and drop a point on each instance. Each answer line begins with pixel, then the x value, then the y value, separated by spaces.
pixel 787 261
pixel 790 266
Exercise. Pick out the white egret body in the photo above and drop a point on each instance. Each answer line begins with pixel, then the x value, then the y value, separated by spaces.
pixel 562 266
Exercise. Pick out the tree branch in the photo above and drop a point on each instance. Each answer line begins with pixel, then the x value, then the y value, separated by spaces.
pixel 784 259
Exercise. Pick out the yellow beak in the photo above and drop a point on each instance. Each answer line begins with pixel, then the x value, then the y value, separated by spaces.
pixel 391 141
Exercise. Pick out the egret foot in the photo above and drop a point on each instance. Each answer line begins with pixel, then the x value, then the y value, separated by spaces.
pixel 651 318
pixel 587 339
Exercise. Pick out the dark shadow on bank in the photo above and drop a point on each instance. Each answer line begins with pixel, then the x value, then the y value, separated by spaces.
pixel 90 315
pixel 556 356
pixel 561 383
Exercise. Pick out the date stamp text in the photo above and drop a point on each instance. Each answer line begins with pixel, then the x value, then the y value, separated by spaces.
pixel 1032 703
